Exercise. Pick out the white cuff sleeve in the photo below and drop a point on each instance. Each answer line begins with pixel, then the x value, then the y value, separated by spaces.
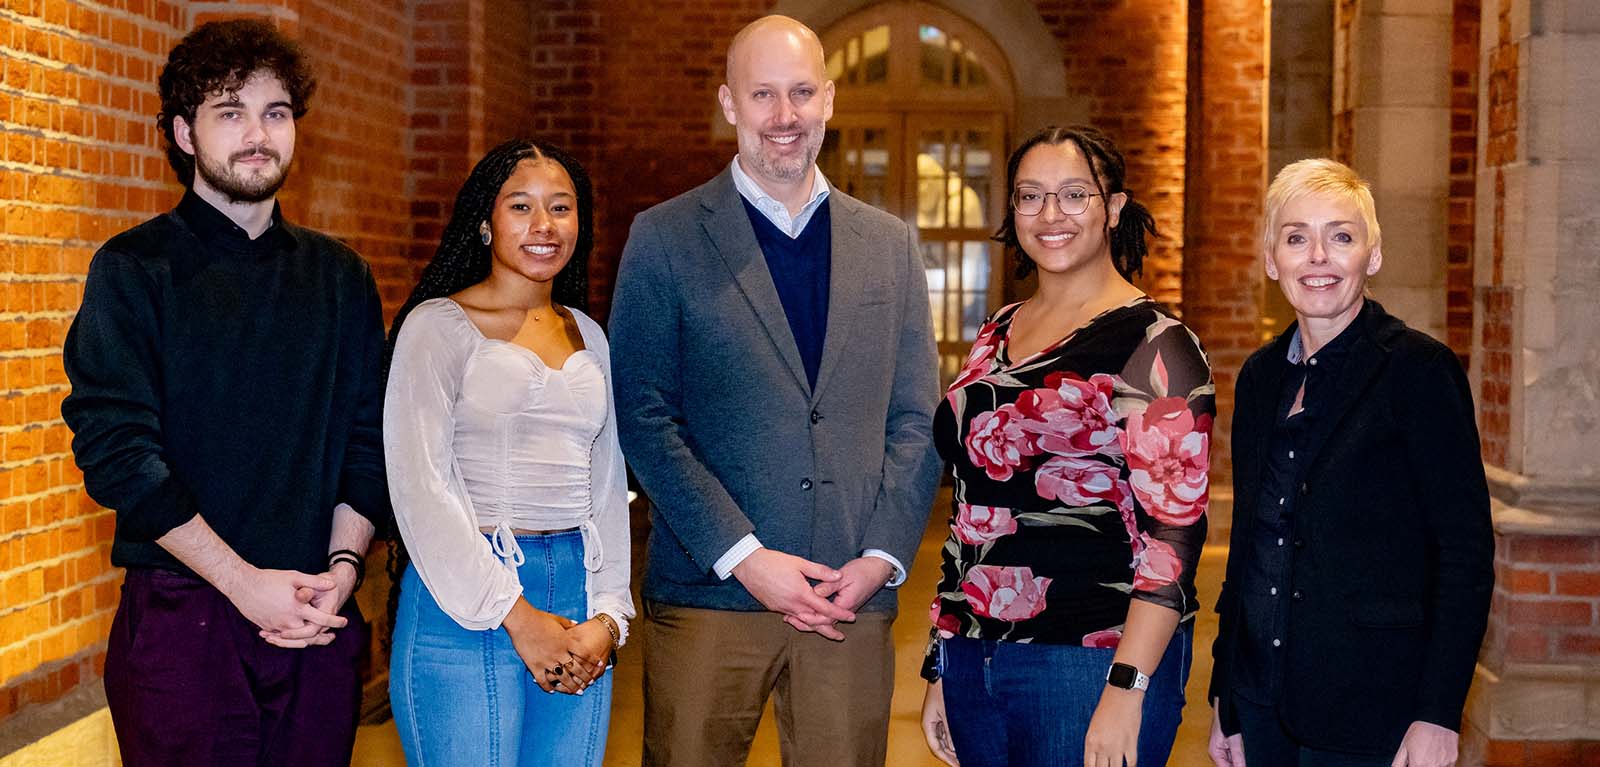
pixel 899 576
pixel 731 559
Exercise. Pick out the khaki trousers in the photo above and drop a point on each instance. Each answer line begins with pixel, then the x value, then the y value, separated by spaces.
pixel 707 675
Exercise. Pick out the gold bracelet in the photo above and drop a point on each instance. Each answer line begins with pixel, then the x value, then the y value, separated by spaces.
pixel 611 628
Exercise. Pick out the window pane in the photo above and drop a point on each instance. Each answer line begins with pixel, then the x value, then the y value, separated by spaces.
pixel 875 55
pixel 975 287
pixel 830 156
pixel 934 56
pixel 874 167
pixel 952 266
pixel 976 77
pixel 933 159
pixel 975 179
pixel 946 61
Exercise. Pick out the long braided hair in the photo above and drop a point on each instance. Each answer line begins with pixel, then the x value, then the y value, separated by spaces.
pixel 1127 239
pixel 463 260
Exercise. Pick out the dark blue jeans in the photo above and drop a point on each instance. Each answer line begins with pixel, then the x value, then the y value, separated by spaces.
pixel 1030 704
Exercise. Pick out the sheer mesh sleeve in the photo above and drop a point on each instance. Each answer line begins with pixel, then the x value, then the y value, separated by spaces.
pixel 1169 401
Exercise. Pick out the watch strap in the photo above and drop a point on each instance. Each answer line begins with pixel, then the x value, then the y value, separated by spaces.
pixel 1127 677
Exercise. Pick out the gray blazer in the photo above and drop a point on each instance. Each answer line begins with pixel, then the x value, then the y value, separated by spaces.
pixel 717 419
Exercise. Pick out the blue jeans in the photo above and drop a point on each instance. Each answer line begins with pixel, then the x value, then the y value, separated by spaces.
pixel 1029 704
pixel 463 697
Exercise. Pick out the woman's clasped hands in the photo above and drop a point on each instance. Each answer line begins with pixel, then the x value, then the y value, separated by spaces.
pixel 563 655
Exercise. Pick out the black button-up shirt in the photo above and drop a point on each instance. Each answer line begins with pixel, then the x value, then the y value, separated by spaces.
pixel 1268 587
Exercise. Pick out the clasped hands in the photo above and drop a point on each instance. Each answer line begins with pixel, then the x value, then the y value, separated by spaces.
pixel 293 609
pixel 563 655
pixel 783 584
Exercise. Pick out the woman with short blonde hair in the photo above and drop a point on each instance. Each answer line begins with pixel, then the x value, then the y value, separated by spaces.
pixel 1361 555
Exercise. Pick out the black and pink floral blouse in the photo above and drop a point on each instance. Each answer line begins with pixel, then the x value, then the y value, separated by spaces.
pixel 1080 480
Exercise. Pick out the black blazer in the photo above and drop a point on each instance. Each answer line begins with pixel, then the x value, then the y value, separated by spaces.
pixel 1393 547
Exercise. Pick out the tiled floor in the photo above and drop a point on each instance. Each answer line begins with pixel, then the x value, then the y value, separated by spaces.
pixel 378 745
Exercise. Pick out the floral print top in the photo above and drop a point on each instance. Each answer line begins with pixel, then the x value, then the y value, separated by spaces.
pixel 1080 480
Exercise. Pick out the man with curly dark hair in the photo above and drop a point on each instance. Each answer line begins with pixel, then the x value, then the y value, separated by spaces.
pixel 226 372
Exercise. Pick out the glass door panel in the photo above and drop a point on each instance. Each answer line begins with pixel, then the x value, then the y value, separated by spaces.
pixel 938 172
pixel 953 158
pixel 858 157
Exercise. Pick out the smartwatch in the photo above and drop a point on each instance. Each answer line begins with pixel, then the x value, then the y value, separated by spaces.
pixel 1127 677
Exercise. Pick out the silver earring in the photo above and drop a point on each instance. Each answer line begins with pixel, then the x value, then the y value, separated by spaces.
pixel 483 231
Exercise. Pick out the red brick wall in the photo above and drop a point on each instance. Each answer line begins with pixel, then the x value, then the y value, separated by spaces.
pixel 1498 300
pixel 1141 107
pixel 441 131
pixel 1547 592
pixel 1465 24
pixel 564 108
pixel 81 162
pixel 1541 753
pixel 1222 265
pixel 508 55
pixel 1546 609
pixel 350 172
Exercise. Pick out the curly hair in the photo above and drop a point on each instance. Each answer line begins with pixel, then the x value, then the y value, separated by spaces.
pixel 219 57
pixel 463 260
pixel 1128 247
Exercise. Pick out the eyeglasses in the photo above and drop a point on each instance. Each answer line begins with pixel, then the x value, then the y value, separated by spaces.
pixel 1070 200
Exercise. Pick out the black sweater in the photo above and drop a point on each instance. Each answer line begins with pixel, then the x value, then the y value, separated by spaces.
pixel 232 378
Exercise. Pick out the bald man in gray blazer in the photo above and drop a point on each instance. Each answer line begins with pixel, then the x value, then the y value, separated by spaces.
pixel 775 381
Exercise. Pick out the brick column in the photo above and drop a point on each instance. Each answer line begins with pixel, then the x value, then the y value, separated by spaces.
pixel 1465 20
pixel 1535 360
pixel 1226 183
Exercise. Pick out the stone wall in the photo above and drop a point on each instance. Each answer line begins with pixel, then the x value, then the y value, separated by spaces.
pixel 1536 365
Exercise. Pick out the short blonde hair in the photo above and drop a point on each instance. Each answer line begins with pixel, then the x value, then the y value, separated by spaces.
pixel 1320 176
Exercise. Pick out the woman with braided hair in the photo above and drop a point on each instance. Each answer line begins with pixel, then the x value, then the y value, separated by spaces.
pixel 508 484
pixel 1078 435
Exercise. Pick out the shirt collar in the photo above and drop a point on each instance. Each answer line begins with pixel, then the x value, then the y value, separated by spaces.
pixel 776 211
pixel 1331 351
pixel 212 226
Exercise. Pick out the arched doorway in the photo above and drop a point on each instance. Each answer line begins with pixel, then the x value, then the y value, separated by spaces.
pixel 924 104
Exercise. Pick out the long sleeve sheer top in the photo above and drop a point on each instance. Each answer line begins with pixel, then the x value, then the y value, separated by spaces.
pixel 480 433
pixel 1080 480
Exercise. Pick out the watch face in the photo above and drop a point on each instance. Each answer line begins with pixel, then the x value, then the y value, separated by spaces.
pixel 1122 675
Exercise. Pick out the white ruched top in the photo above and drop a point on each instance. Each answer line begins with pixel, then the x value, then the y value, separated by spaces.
pixel 480 433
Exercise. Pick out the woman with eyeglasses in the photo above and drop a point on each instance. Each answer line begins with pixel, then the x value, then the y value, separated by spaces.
pixel 1078 434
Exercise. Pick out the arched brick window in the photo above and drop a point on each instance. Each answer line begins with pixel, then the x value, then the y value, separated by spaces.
pixel 919 130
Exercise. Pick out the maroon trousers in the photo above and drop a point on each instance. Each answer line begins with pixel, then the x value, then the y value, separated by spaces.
pixel 190 682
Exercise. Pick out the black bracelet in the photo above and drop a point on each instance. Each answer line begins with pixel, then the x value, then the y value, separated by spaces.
pixel 356 561
pixel 361 575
